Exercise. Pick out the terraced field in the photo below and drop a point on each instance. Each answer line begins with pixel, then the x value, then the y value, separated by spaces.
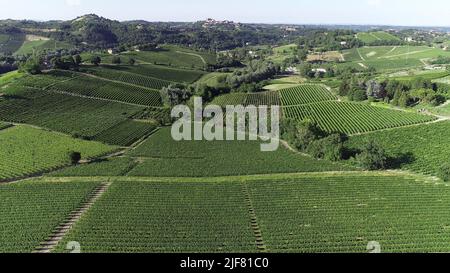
pixel 125 133
pixel 27 151
pixel 425 148
pixel 305 94
pixel 161 156
pixel 353 118
pixel 31 210
pixel 76 116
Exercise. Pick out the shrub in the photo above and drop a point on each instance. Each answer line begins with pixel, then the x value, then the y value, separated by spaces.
pixel 74 157
pixel 444 172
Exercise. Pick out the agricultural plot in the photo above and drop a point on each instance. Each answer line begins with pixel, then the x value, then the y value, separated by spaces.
pixel 161 72
pixel 127 77
pixel 125 133
pixel 164 157
pixel 343 213
pixel 424 148
pixel 214 79
pixel 257 99
pixel 371 37
pixel 353 118
pixel 10 43
pixel 80 117
pixel 112 167
pixel 167 218
pixel 40 45
pixel 27 151
pixel 174 56
pixel 115 91
pixel 305 94
pixel 30 211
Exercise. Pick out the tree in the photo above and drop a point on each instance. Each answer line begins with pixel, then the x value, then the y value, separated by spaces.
pixel 444 172
pixel 403 101
pixel 131 61
pixel 78 60
pixel 328 148
pixel 96 60
pixel 372 156
pixel 175 94
pixel 116 60
pixel 31 66
pixel 74 157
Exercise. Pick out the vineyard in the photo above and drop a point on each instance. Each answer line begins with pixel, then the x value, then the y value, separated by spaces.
pixel 113 167
pixel 127 77
pixel 27 151
pixel 166 217
pixel 305 94
pixel 353 118
pixel 76 116
pixel 4 125
pixel 31 210
pixel 256 99
pixel 97 88
pixel 338 213
pixel 164 157
pixel 164 73
pixel 426 147
pixel 125 133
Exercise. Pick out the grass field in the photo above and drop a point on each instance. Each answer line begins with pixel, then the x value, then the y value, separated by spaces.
pixel 40 45
pixel 174 56
pixel 352 118
pixel 371 37
pixel 425 148
pixel 31 210
pixel 27 151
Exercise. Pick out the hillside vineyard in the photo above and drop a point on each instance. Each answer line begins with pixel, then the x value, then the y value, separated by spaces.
pixel 91 162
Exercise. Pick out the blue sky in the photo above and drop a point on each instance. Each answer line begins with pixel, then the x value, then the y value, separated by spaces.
pixel 395 12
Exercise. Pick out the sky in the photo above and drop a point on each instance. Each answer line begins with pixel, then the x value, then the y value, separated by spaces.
pixel 364 12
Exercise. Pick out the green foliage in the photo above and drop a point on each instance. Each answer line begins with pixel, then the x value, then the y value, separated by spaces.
pixel 329 148
pixel 175 94
pixel 372 156
pixel 444 172
pixel 96 60
pixel 27 151
pixel 305 94
pixel 31 66
pixel 352 118
pixel 30 211
pixel 74 157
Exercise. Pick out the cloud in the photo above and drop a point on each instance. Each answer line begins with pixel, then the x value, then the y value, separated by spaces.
pixel 73 3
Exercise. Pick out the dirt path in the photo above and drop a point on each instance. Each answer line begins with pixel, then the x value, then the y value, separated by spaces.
pixel 58 234
pixel 405 54
pixel 360 55
pixel 253 219
pixel 193 54
pixel 363 65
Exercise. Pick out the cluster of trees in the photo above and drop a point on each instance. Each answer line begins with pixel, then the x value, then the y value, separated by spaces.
pixel 398 93
pixel 8 63
pixel 328 40
pixel 307 137
pixel 441 60
pixel 175 94
pixel 246 79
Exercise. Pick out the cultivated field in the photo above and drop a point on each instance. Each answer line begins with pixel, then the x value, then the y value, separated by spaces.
pixel 305 94
pixel 353 118
pixel 27 151
pixel 31 210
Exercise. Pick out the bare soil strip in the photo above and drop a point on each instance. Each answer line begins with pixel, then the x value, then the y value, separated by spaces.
pixel 58 234
pixel 254 220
